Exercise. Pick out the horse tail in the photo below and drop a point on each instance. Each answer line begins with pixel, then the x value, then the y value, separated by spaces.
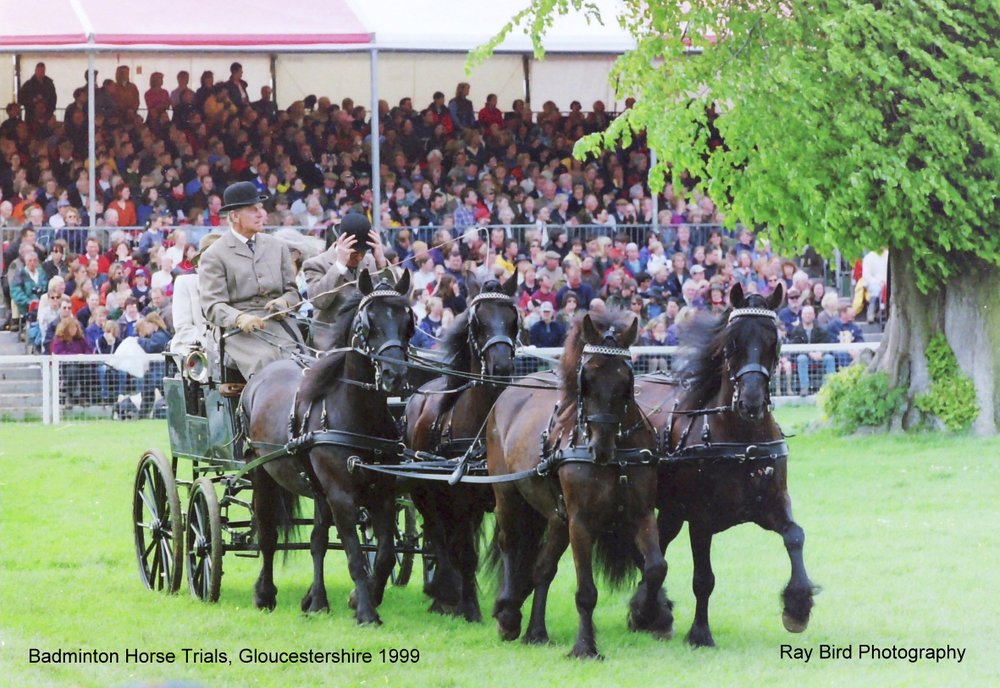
pixel 614 556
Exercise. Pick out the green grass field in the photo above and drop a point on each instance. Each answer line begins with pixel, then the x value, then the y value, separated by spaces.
pixel 901 533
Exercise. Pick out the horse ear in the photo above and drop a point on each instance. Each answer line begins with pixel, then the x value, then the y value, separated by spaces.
pixel 403 285
pixel 590 333
pixel 510 286
pixel 365 283
pixel 776 297
pixel 736 296
pixel 631 333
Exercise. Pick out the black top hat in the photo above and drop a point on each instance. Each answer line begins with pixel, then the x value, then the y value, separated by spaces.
pixel 241 194
pixel 357 225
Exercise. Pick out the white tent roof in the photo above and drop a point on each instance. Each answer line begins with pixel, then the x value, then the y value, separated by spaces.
pixel 461 25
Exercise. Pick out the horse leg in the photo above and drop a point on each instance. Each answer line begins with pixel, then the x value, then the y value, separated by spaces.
pixel 517 537
pixel 555 543
pixel 384 521
pixel 266 503
pixel 798 594
pixel 668 526
pixel 468 562
pixel 315 599
pixel 703 584
pixel 345 516
pixel 582 543
pixel 649 609
pixel 443 588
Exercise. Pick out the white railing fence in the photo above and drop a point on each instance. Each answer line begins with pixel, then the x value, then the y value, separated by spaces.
pixel 55 389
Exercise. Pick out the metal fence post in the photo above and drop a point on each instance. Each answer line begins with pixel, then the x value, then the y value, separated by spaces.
pixel 46 388
pixel 54 391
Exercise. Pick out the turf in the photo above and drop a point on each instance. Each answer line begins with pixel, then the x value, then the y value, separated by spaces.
pixel 900 533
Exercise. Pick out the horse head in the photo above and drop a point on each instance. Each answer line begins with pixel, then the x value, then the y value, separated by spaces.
pixel 605 383
pixel 382 329
pixel 493 326
pixel 752 350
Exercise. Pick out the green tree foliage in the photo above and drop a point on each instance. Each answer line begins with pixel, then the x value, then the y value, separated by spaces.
pixel 847 124
pixel 852 399
pixel 952 397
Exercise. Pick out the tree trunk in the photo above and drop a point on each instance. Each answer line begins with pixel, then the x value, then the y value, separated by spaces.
pixel 965 310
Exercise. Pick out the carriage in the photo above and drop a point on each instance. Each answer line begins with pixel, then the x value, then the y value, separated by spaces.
pixel 172 538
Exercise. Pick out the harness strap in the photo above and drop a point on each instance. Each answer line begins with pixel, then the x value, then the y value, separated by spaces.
pixel 379 446
pixel 730 451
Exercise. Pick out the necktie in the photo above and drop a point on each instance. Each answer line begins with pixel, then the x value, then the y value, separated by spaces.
pixel 250 243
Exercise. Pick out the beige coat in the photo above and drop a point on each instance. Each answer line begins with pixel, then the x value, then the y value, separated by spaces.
pixel 322 276
pixel 233 280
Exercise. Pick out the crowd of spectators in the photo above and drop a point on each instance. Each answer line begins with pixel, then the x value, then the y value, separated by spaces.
pixel 467 195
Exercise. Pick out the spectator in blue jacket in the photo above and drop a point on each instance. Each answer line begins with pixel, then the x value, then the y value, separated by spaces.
pixel 845 331
pixel 547 332
pixel 429 329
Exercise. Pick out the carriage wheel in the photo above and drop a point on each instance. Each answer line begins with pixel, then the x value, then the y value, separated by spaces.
pixel 405 537
pixel 203 541
pixel 157 521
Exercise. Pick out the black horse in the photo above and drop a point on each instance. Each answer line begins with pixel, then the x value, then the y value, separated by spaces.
pixel 585 481
pixel 344 396
pixel 446 418
pixel 736 470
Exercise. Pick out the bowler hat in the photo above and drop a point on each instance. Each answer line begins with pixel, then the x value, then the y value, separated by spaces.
pixel 357 225
pixel 241 194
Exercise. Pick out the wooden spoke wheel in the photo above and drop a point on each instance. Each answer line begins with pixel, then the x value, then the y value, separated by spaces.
pixel 203 541
pixel 157 523
pixel 405 535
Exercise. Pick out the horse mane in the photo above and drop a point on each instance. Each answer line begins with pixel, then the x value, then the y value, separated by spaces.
pixel 618 318
pixel 454 348
pixel 705 337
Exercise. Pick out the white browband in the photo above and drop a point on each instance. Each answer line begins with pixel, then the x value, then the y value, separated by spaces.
pixel 607 350
pixel 752 312
pixel 491 296
pixel 378 293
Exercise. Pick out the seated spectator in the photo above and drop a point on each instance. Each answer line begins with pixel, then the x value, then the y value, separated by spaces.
pixel 95 328
pixel 807 364
pixel 129 319
pixel 845 331
pixel 65 313
pixel 831 304
pixel 28 285
pixel 68 340
pixel 789 315
pixel 428 331
pixel 547 332
pixel 570 309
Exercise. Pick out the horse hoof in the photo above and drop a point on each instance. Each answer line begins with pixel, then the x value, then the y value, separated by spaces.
pixel 439 607
pixel 700 638
pixel 536 638
pixel 793 625
pixel 473 614
pixel 585 651
pixel 352 600
pixel 508 632
pixel 373 621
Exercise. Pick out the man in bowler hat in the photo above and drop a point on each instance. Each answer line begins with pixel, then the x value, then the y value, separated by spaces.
pixel 332 275
pixel 247 282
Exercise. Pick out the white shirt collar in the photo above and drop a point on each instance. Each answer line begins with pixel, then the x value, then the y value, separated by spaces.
pixel 239 236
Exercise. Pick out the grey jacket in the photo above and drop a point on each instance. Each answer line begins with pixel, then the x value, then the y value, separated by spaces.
pixel 322 277
pixel 232 281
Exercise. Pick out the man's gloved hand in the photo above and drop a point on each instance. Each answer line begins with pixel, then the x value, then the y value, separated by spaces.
pixel 277 306
pixel 249 323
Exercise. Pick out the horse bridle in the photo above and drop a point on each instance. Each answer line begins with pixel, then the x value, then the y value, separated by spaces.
pixel 754 366
pixel 360 329
pixel 608 348
pixel 480 351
